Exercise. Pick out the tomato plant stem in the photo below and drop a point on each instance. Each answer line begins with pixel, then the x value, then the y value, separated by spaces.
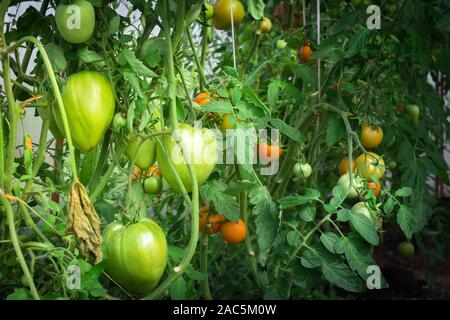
pixel 2 153
pixel 204 266
pixel 203 82
pixel 16 245
pixel 57 94
pixel 170 65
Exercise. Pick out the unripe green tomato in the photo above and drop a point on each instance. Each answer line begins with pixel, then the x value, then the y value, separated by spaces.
pixel 89 105
pixel 75 22
pixel 119 121
pixel 265 25
pixel 145 156
pixel 246 34
pixel 136 254
pixel 357 185
pixel 406 249
pixel 306 169
pixel 281 44
pixel 413 113
pixel 199 148
pixel 209 10
pixel 153 184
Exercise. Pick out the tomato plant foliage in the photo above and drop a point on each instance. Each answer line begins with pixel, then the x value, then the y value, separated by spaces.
pixel 286 223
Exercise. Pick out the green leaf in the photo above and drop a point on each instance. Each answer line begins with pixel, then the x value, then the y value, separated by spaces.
pixel 134 82
pixel 266 223
pixel 273 93
pixel 136 64
pixel 293 238
pixel 88 166
pixel 114 25
pixel 296 200
pixel 20 294
pixel 256 8
pixel 249 111
pixel 237 187
pixel 305 73
pixel 250 79
pixel 56 55
pixel 365 228
pixel 195 275
pixel 252 97
pixel 389 205
pixel 177 290
pixel 343 277
pixel 344 215
pixel 329 240
pixel 90 280
pixel 213 191
pixel 89 56
pixel 218 106
pixel 357 42
pixel 287 130
pixel 335 131
pixel 308 214
pixel 406 220
pixel 403 192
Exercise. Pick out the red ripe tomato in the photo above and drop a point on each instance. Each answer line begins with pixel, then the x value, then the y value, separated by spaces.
pixel 210 222
pixel 304 53
pixel 375 187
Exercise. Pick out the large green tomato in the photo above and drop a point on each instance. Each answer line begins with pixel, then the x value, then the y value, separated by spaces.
pixel 136 254
pixel 89 104
pixel 357 185
pixel 48 113
pixel 200 147
pixel 222 13
pixel 146 154
pixel 75 22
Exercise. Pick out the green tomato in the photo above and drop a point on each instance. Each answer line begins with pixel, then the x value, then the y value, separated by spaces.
pixel 136 254
pixel 222 13
pixel 89 104
pixel 209 10
pixel 413 113
pixel 361 208
pixel 246 33
pixel 357 185
pixel 145 155
pixel 200 148
pixel 119 121
pixel 306 170
pixel 406 249
pixel 75 22
pixel 281 44
pixel 153 184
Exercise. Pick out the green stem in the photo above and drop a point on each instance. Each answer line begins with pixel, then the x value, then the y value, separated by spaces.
pixel 13 118
pixel 2 152
pixel 203 82
pixel 102 159
pixel 204 266
pixel 183 82
pixel 104 180
pixel 204 47
pixel 170 66
pixel 16 245
pixel 58 96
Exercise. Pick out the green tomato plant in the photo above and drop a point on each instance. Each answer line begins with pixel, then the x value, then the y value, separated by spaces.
pixel 116 189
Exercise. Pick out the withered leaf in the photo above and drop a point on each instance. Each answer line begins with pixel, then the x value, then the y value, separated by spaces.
pixel 84 222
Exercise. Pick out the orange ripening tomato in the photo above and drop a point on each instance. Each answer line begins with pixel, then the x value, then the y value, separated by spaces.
pixel 154 171
pixel 136 174
pixel 233 232
pixel 371 137
pixel 375 187
pixel 210 223
pixel 304 53
pixel 268 153
pixel 344 166
pixel 202 98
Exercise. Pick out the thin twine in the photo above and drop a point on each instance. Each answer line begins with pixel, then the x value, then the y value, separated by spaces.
pixel 232 34
pixel 318 43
